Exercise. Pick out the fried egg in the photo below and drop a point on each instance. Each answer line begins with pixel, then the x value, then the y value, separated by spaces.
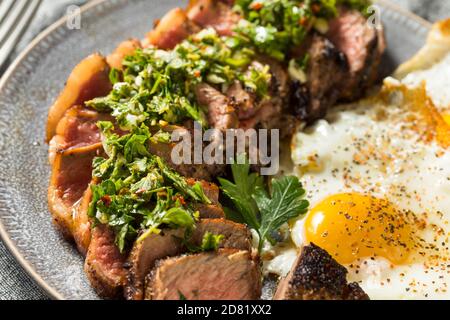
pixel 377 175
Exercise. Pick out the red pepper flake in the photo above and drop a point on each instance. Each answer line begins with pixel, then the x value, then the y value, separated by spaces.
pixel 256 6
pixel 316 8
pixel 106 200
pixel 303 21
pixel 179 198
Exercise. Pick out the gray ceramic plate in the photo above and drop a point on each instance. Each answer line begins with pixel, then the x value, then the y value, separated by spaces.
pixel 29 87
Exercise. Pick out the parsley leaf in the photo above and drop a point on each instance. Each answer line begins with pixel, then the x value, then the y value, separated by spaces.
pixel 285 202
pixel 263 211
pixel 240 192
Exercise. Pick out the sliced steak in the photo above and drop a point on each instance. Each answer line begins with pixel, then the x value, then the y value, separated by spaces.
pixel 215 14
pixel 126 48
pixel 71 175
pixel 326 71
pixel 267 113
pixel 82 223
pixel 104 265
pixel 88 80
pixel 317 276
pixel 224 275
pixel 144 255
pixel 210 211
pixel 280 79
pixel 201 171
pixel 77 129
pixel 244 101
pixel 173 28
pixel 211 190
pixel 221 114
pixel 363 46
pixel 235 235
pixel 169 243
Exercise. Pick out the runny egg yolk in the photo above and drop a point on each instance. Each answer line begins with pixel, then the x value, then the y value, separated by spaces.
pixel 447 118
pixel 351 226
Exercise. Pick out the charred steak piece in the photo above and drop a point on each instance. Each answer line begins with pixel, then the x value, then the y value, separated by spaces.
pixel 104 265
pixel 169 243
pixel 215 14
pixel 363 45
pixel 317 276
pixel 224 275
pixel 326 71
pixel 269 112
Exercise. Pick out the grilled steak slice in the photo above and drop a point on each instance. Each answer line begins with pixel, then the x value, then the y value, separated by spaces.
pixel 244 101
pixel 88 80
pixel 71 174
pixel 210 211
pixel 144 255
pixel 326 71
pixel 104 265
pixel 224 275
pixel 211 190
pixel 221 115
pixel 363 46
pixel 265 113
pixel 81 222
pixel 235 235
pixel 124 49
pixel 77 129
pixel 173 28
pixel 197 171
pixel 215 14
pixel 317 276
pixel 280 78
pixel 169 243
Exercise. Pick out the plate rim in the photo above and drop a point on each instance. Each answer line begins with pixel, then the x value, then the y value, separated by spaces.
pixel 50 291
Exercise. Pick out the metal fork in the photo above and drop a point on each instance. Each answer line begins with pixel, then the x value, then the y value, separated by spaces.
pixel 15 17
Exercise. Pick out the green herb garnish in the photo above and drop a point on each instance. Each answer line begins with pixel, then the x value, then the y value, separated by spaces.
pixel 138 191
pixel 262 210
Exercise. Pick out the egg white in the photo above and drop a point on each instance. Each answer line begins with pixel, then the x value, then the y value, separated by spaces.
pixel 412 174
pixel 368 147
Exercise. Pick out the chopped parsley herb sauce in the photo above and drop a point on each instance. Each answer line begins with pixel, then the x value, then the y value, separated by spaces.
pixel 135 190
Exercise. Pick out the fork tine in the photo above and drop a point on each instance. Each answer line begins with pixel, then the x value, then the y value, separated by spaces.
pixel 12 19
pixel 17 29
pixel 5 7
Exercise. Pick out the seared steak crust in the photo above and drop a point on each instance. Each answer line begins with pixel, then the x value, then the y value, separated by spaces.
pixel 326 71
pixel 363 45
pixel 317 276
